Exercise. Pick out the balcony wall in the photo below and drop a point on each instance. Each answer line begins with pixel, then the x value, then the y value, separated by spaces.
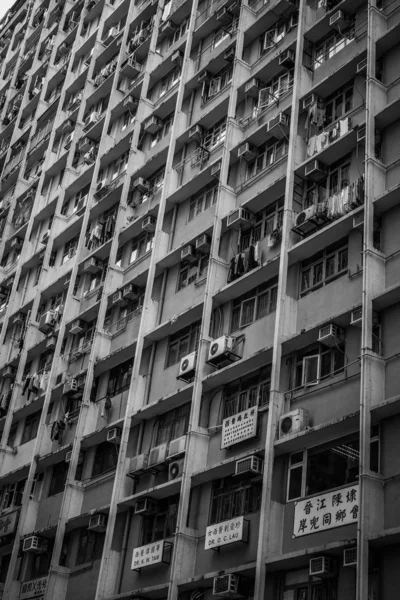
pixel 49 511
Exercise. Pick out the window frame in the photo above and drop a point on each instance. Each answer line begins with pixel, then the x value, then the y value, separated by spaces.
pixel 31 427
pixel 319 276
pixel 232 499
pixel 185 340
pixel 102 454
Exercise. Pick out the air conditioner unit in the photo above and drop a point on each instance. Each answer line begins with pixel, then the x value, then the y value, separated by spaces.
pixel 102 188
pixel 303 221
pixel 356 317
pixel 68 457
pixel 92 265
pixel 220 350
pixel 315 170
pixel 51 342
pixel 141 185
pixel 278 126
pixel 252 87
pixel 77 326
pixel 226 586
pixel 157 455
pixel 286 59
pixel 309 100
pixel 9 372
pixel 70 386
pixel 204 76
pixel 216 170
pixel 248 152
pixel 203 244
pixel 177 446
pixel 175 469
pixel 91 119
pixel 187 367
pixel 34 544
pixel 321 566
pixel 224 16
pixel 98 523
pixel 118 298
pixel 85 144
pixel 177 58
pixel 149 224
pixel 331 335
pixel 114 435
pixel 137 463
pixel 362 66
pixel 47 322
pixel 196 132
pixel 350 557
pixel 251 466
pixel 188 253
pixel 16 243
pixel 293 422
pixel 240 218
pixel 130 291
pixel 130 103
pixel 19 318
pixel 230 54
pixel 168 28
pixel 152 125
pixel 112 34
pixel 339 20
pixel 361 134
pixel 145 506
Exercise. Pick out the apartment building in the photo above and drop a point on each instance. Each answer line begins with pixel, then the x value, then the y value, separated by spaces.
pixel 199 306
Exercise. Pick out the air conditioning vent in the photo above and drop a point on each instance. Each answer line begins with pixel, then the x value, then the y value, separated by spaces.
pixel 331 335
pixel 177 446
pixel 35 544
pixel 168 28
pixel 278 127
pixel 130 103
pixel 141 185
pixel 137 464
pixel 321 566
pixel 188 253
pixel 204 76
pixel 98 523
pixel 203 244
pixel 293 422
pixel 226 586
pixel 248 152
pixel 114 435
pixel 240 218
pixel 309 100
pixel 145 506
pixel 224 16
pixel 249 466
pixel 118 298
pixel 339 20
pixel 361 133
pixel 70 387
pixel 196 132
pixel 356 317
pixel 187 367
pixel 221 351
pixel 152 125
pixel 157 455
pixel 92 265
pixel 315 170
pixel 252 87
pixel 149 224
pixel 85 144
pixel 305 220
pixel 286 59
pixel 350 557
pixel 175 469
pixel 77 326
pixel 130 291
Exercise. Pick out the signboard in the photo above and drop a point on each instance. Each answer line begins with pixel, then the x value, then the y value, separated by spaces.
pixel 227 532
pixel 148 555
pixel 33 589
pixel 8 523
pixel 239 427
pixel 326 511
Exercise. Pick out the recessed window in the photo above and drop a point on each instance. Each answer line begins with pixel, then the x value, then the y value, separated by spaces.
pixel 319 363
pixel 90 546
pixel 231 499
pixel 323 267
pixel 31 428
pixel 246 392
pixel 258 303
pixel 105 458
pixel 182 343
pixel 162 524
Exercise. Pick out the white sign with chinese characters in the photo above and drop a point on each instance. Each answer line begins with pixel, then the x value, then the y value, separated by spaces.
pixel 239 427
pixel 8 523
pixel 326 511
pixel 148 555
pixel 33 589
pixel 227 532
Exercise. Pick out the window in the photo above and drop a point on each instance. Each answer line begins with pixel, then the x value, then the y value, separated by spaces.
pixel 31 427
pixel 202 201
pixel 321 590
pixel 214 136
pixel 337 180
pixel 58 478
pixel 213 86
pixel 41 562
pixel 164 131
pixel 231 499
pixel 163 524
pixel 118 259
pixel 329 466
pixel 189 273
pixel 319 363
pixel 13 433
pixel 225 32
pixel 120 378
pixel 272 37
pixel 119 166
pixel 172 424
pixel 246 392
pixel 338 104
pixel 105 458
pixel 141 247
pixel 182 343
pixel 335 42
pixel 179 32
pixel 169 81
pixel 11 494
pixel 275 89
pixel 90 546
pixel 70 249
pixel 266 221
pixel 268 154
pixel 4 564
pixel 256 304
pixel 126 119
pixel 323 267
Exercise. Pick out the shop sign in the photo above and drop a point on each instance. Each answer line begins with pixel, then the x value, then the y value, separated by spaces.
pixel 8 523
pixel 239 427
pixel 148 555
pixel 33 589
pixel 227 532
pixel 326 511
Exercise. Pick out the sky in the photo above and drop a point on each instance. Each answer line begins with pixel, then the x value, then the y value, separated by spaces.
pixel 4 6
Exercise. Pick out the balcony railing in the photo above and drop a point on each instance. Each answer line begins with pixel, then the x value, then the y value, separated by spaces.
pixel 121 324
